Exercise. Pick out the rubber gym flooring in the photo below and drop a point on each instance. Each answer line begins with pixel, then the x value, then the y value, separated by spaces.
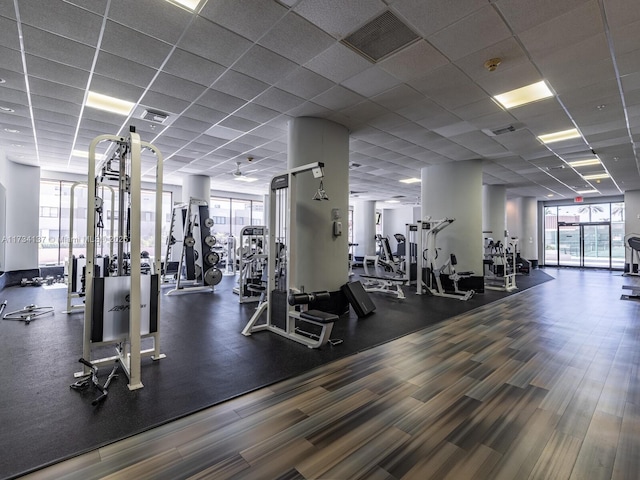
pixel 43 421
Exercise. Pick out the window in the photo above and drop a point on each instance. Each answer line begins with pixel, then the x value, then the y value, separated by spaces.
pixel 50 212
pixel 55 220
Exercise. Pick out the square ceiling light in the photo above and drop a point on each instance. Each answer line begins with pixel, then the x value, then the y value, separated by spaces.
pixel 410 180
pixel 85 154
pixel 522 96
pixel 109 104
pixel 582 192
pixel 584 163
pixel 559 136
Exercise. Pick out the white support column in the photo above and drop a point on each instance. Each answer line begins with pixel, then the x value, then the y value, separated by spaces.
pixel 523 223
pixel 321 262
pixel 364 227
pixel 494 212
pixel 196 186
pixel 455 190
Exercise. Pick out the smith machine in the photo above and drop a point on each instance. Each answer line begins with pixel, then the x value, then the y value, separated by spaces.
pixel 285 306
pixel 123 308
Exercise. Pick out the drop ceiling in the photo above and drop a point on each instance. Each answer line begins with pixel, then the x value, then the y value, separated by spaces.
pixel 231 74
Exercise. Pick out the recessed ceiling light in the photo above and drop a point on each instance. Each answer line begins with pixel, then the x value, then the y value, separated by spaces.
pixel 596 176
pixel 246 179
pixel 549 195
pixel 11 130
pixel 585 163
pixel 392 201
pixel 581 192
pixel 2 80
pixel 109 104
pixel 522 96
pixel 190 4
pixel 7 109
pixel 410 180
pixel 559 136
pixel 17 145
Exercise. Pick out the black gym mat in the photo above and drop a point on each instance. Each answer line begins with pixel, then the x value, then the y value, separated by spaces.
pixel 43 421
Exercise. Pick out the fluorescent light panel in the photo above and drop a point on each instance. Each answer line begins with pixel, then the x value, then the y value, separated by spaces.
pixel 582 192
pixel 85 154
pixel 559 136
pixel 596 176
pixel 522 96
pixel 190 4
pixel 392 201
pixel 109 104
pixel 410 180
pixel 246 179
pixel 585 163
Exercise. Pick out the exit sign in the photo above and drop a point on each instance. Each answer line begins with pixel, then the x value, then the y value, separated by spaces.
pixel 578 200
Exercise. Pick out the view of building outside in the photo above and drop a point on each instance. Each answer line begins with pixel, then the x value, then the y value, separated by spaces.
pixel 55 219
pixel 590 235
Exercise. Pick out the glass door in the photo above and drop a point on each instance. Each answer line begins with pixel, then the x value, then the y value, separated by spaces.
pixel 569 242
pixel 596 245
pixel 584 244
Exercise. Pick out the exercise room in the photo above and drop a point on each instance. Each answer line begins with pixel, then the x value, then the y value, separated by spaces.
pixel 301 239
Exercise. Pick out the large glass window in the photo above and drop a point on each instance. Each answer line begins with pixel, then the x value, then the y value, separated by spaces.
pixel 230 215
pixel 586 235
pixel 55 231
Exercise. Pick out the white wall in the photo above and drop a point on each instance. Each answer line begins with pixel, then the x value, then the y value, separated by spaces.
pixel 3 209
pixel 632 211
pixel 23 198
pixel 394 220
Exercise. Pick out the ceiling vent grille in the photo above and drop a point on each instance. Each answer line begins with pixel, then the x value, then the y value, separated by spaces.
pixel 154 116
pixel 494 132
pixel 381 37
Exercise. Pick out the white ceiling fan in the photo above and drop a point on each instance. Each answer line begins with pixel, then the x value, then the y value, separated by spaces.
pixel 239 174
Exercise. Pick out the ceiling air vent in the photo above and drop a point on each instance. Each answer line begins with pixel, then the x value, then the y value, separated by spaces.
pixel 494 132
pixel 381 37
pixel 154 116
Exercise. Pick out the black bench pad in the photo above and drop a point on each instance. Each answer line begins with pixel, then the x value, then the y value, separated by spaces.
pixel 318 316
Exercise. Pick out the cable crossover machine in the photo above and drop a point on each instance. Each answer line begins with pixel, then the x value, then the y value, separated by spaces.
pixel 122 309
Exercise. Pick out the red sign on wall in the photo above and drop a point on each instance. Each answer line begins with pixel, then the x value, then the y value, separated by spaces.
pixel 578 200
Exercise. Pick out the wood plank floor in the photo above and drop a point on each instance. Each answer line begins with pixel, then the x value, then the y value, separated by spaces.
pixel 541 385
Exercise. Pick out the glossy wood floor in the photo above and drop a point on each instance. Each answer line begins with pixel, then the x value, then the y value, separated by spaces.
pixel 543 384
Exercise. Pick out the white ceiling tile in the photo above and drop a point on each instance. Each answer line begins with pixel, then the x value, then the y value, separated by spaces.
pixel 338 98
pixel 304 83
pixel 471 34
pixel 63 19
pixel 240 85
pixel 278 100
pixel 180 88
pixel 56 48
pixel 522 15
pixel 371 82
pixel 339 18
pixel 398 97
pixel 192 67
pixel 430 17
pixel 414 61
pixel 56 72
pixel 255 19
pixel 9 34
pixel 11 59
pixel 337 63
pixel 124 70
pixel 565 30
pixel 161 20
pixel 115 88
pixel 296 39
pixel 213 42
pixel 164 103
pixel 135 46
pixel 265 65
pixel 449 87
